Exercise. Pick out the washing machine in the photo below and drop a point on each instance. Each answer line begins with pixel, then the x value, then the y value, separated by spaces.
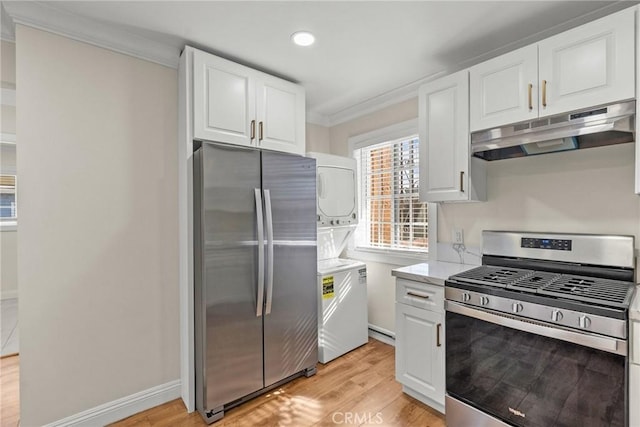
pixel 342 283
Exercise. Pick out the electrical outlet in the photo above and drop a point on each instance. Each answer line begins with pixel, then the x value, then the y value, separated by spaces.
pixel 456 236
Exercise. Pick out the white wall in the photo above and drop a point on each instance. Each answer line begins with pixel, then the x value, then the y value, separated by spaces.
pixel 97 248
pixel 388 116
pixel 584 191
pixel 8 238
pixel 317 138
pixel 380 283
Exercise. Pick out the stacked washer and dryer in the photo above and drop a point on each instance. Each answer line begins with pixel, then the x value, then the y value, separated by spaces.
pixel 342 283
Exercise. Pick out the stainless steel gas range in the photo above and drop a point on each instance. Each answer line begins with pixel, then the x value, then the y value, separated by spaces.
pixel 537 335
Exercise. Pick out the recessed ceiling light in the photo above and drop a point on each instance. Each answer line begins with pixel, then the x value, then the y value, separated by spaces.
pixel 303 38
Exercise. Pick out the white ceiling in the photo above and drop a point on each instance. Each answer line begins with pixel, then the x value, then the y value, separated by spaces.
pixel 366 51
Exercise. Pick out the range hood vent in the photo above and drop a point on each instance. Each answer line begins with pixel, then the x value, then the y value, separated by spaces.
pixel 594 127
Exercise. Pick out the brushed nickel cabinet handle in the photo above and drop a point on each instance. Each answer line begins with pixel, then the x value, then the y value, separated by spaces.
pixel 413 294
pixel 253 130
pixel 544 93
pixel 261 131
pixel 530 88
pixel 462 181
pixel 438 327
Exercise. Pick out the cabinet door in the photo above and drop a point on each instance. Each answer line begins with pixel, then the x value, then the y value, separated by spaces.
pixel 443 114
pixel 590 65
pixel 281 115
pixel 420 351
pixel 504 90
pixel 634 395
pixel 224 100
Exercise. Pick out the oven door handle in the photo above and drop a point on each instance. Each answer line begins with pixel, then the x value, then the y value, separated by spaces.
pixel 611 345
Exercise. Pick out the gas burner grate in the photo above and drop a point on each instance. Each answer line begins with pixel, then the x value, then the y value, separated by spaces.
pixel 534 282
pixel 495 276
pixel 615 293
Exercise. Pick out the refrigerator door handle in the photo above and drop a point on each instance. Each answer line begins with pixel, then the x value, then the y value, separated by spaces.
pixel 260 231
pixel 269 220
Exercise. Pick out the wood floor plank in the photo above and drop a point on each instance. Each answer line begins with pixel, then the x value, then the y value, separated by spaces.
pixel 9 391
pixel 361 383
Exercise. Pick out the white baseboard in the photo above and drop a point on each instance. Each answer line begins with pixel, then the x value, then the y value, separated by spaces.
pixel 381 334
pixel 9 294
pixel 122 408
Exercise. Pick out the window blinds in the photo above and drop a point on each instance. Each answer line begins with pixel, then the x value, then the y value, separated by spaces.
pixel 392 214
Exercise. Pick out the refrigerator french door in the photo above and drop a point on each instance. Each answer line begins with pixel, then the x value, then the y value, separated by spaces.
pixel 254 273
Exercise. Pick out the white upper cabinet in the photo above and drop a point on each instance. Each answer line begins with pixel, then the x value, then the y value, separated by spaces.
pixel 443 112
pixel 590 65
pixel 504 89
pixel 224 101
pixel 584 67
pixel 280 112
pixel 241 106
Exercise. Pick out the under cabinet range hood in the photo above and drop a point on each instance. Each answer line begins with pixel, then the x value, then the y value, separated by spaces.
pixel 586 128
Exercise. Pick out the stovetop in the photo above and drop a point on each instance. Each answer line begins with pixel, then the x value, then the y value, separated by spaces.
pixel 590 290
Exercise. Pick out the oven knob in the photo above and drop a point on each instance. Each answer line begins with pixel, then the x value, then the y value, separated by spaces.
pixel 484 300
pixel 517 307
pixel 584 322
pixel 465 297
pixel 556 315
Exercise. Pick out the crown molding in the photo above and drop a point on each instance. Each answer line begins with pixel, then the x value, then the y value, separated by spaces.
pixel 379 102
pixel 47 17
pixel 317 119
pixel 7 29
pixel 410 90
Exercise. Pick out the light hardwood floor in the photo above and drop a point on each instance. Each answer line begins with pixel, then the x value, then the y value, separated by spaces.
pixel 9 391
pixel 356 389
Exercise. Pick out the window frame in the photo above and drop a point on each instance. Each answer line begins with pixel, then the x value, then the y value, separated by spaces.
pixel 387 255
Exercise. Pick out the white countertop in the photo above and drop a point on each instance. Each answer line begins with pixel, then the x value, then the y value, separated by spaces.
pixel 634 308
pixel 435 271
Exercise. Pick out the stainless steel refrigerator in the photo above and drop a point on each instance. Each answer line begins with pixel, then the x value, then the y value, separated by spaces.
pixel 255 273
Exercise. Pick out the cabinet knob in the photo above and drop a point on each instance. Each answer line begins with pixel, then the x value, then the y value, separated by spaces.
pixel 584 322
pixel 253 130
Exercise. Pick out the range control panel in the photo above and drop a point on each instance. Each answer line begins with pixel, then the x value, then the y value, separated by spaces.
pixel 554 244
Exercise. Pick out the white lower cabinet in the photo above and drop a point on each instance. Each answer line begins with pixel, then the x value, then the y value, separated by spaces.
pixel 634 395
pixel 420 366
pixel 634 375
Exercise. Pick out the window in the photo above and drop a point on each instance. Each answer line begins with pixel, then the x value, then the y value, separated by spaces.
pixel 8 197
pixel 392 217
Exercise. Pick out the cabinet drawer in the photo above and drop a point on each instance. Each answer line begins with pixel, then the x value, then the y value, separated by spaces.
pixel 420 295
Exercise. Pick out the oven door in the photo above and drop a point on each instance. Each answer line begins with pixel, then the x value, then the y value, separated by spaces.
pixel 528 373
